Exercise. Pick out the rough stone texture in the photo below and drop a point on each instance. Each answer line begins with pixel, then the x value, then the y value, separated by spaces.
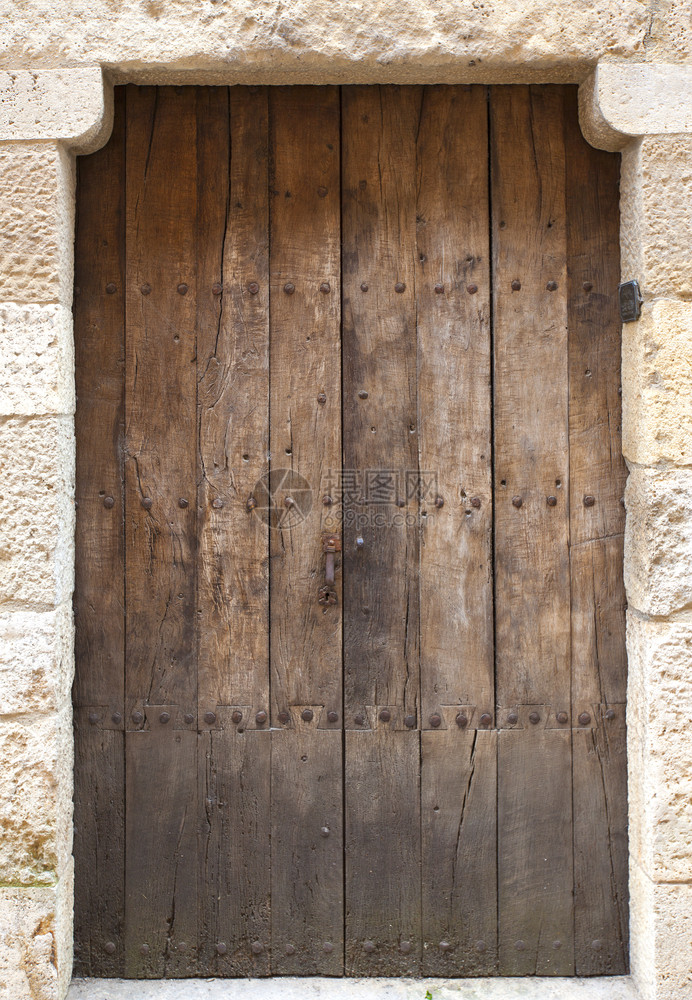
pixel 656 215
pixel 35 928
pixel 282 42
pixel 36 360
pixel 657 384
pixel 36 757
pixel 36 223
pixel 660 938
pixel 660 747
pixel 658 540
pixel 35 660
pixel 56 104
pixel 669 37
pixel 36 509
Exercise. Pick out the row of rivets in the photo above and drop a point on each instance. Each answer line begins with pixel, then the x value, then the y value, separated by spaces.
pixel 518 501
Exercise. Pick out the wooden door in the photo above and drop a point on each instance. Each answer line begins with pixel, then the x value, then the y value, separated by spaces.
pixel 387 315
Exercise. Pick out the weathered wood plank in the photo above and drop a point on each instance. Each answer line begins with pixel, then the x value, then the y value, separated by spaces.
pixel 454 401
pixel 307 851
pixel 99 687
pixel 459 848
pixel 383 923
pixel 532 581
pixel 597 521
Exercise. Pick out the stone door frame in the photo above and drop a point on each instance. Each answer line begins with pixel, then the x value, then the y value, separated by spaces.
pixel 48 116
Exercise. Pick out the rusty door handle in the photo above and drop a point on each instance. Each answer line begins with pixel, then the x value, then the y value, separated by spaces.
pixel 330 545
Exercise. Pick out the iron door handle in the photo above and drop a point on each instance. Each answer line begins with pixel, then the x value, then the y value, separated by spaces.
pixel 330 545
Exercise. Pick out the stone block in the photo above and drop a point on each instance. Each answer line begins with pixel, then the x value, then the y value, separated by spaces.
pixel 35 660
pixel 36 360
pixel 658 540
pixel 660 938
pixel 55 104
pixel 36 758
pixel 36 509
pixel 36 941
pixel 36 223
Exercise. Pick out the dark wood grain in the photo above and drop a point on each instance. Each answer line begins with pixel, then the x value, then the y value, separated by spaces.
pixel 99 604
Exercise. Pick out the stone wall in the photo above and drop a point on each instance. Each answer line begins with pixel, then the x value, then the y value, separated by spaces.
pixel 634 62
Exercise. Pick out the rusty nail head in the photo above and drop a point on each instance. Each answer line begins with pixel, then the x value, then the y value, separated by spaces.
pixel 327 500
pixel 216 289
pixel 475 502
pixel 116 718
pixel 439 288
pixel 516 285
pixel 210 717
pixel 462 720
pixel 562 717
pixel 480 946
pixel 164 718
pixel 251 503
pixel 551 286
pixel 369 946
pixel 587 286
pixel 188 718
pixel 486 719
pixel 445 946
pixel 410 721
pixel 400 287
pixel 589 501
pixel 364 287
pixel 363 394
pixel 321 398
pixel 145 289
pixel 519 945
pixel 108 502
pixel 93 718
pixel 322 191
pixel 385 715
pixel 261 718
pixel 435 721
pixel 325 287
pixel 328 947
pixel 405 947
pixel 217 503
pixel 283 718
pixel 359 720
pixel 290 949
pixel 147 503
pixel 551 501
pixel 182 288
pixel 557 944
pixel 237 717
pixel 221 948
pixel 111 289
pixel 597 944
pixel 534 718
pixel 439 501
pixel 325 831
pixel 512 719
pixel 332 717
pixel 517 502
pixel 109 947
pixel 307 715
pixel 253 288
pixel 137 718
pixel 289 502
pixel 472 289
pixel 144 949
pixel 610 714
pixel 183 503
pixel 257 947
pixel 584 719
pixel 289 288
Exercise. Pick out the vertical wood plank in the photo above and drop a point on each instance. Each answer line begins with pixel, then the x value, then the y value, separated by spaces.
pixel 383 925
pixel 597 521
pixel 305 436
pixel 381 578
pixel 233 574
pixel 459 841
pixel 160 530
pixel 99 685
pixel 532 582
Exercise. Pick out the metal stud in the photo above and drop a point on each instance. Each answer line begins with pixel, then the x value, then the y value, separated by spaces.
pixel 485 719
pixel 405 947
pixel 439 502
pixel 584 719
pixel 516 285
pixel 385 715
pixel 183 503
pixel 307 715
pixel 257 947
pixel 597 944
pixel 587 286
pixel 116 718
pixel 111 289
pixel 325 831
pixel 400 287
pixel 435 721
pixel 325 288
pixel 182 288
pixel 188 718
pixel 250 503
pixel 519 945
pixel 164 718
pixel 359 720
pixel 462 720
pixel 557 944
pixel 290 949
pixel 512 719
pixel 321 398
pixel 216 289
pixel 145 289
pixel 284 718
pixel 237 717
pixel 328 947
pixel 253 288
pixel 332 717
pixel 94 718
pixel 137 718
pixel 475 502
pixel 472 289
pixel 552 286
pixel 589 501
pixel 210 718
pixel 562 717
pixel 217 503
pixel 609 714
pixel 327 500
pixel 261 718
pixel 363 394
pixel 439 288
pixel 322 191
pixel 109 947
pixel 517 502
pixel 144 950
pixel 289 502
pixel 369 947
pixel 481 946
pixel 289 288
pixel 534 718
pixel 445 946
pixel 147 503
pixel 364 287
pixel 360 542
pixel 221 948
pixel 410 721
